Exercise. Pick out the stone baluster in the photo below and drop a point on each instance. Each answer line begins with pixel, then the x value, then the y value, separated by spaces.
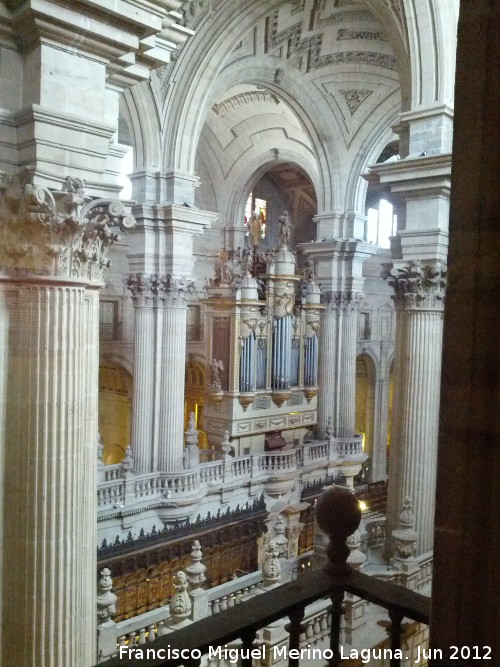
pixel 49 291
pixel 419 299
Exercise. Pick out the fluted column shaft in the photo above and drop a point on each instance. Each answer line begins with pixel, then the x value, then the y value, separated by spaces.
pixel 172 371
pixel 143 388
pixel 51 417
pixel 337 365
pixel 417 371
pixel 53 251
pixel 159 366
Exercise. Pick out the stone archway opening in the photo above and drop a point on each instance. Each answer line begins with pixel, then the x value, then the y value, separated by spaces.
pixel 283 187
pixel 365 406
pixel 115 410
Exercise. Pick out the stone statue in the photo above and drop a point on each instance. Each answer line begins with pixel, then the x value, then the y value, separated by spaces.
pixel 254 229
pixel 223 271
pixel 285 229
pixel 309 269
pixel 215 375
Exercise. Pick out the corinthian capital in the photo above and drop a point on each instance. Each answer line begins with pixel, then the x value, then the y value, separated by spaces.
pixel 343 301
pixel 62 234
pixel 416 286
pixel 174 292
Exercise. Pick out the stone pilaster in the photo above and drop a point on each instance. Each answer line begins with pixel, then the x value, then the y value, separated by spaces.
pixel 337 366
pixel 53 248
pixel 419 298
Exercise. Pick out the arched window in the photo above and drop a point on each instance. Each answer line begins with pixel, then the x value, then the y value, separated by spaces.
pixel 381 224
pixel 259 207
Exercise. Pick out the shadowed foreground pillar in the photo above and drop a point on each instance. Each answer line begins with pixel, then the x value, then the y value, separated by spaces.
pixel 466 582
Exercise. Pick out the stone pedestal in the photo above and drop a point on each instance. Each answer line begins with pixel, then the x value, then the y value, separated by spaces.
pixel 419 296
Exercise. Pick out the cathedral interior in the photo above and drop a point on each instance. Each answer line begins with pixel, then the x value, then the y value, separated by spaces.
pixel 225 255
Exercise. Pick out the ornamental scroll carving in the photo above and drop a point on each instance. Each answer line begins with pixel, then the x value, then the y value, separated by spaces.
pixel 346 302
pixel 159 290
pixel 312 324
pixel 63 234
pixel 249 322
pixel 416 286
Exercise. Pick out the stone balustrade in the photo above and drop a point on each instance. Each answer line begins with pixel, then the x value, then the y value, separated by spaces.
pixel 349 448
pixel 111 494
pixel 118 487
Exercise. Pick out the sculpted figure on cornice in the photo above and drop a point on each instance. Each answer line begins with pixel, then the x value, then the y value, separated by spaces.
pixel 416 286
pixel 63 234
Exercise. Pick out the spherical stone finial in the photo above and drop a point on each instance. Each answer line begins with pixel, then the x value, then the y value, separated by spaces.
pixel 338 515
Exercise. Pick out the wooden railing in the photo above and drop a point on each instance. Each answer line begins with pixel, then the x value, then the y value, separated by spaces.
pixel 338 517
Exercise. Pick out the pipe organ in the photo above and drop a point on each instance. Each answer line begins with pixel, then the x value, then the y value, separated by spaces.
pixel 271 362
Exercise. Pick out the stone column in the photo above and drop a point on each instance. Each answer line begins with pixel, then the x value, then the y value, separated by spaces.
pixel 144 295
pixel 53 249
pixel 160 294
pixel 338 266
pixel 173 295
pixel 337 364
pixel 419 296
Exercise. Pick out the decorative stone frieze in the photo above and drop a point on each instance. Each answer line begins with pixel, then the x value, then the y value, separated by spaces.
pixel 58 234
pixel 355 97
pixel 417 286
pixel 250 97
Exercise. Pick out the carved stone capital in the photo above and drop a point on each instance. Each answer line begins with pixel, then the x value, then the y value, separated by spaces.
pixel 347 302
pixel 417 287
pixel 143 289
pixel 175 292
pixel 58 234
